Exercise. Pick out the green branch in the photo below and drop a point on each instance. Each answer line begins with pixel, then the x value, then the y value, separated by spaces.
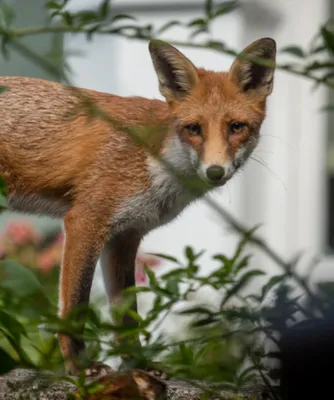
pixel 209 45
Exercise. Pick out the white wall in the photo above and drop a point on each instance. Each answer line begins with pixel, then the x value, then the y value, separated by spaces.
pixel 287 196
pixel 290 201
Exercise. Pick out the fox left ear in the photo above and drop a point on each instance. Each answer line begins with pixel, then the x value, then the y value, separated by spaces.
pixel 249 76
pixel 176 73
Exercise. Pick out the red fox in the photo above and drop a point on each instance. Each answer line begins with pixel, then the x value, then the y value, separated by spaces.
pixel 109 190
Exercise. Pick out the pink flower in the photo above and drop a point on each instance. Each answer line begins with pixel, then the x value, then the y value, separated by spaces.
pixel 21 232
pixel 60 238
pixel 46 261
pixel 143 260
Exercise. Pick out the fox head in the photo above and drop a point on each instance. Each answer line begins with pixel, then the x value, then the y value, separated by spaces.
pixel 217 115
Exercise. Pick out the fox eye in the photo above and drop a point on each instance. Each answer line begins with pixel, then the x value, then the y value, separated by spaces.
pixel 237 127
pixel 194 129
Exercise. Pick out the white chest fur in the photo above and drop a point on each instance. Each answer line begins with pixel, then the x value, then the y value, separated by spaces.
pixel 165 199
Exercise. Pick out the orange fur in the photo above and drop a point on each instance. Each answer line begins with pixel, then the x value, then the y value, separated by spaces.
pixel 134 385
pixel 109 191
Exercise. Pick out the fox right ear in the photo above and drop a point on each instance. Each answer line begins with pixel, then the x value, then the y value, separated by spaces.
pixel 176 74
pixel 249 76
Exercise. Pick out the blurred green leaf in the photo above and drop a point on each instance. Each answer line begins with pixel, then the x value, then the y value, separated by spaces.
pixel 152 279
pixel 7 363
pixel 173 287
pixel 328 38
pixel 329 107
pixel 18 278
pixel 197 22
pixel 8 14
pixel 12 325
pixel 164 256
pixel 167 26
pixel 53 5
pixel 316 65
pixel 68 18
pixel 208 8
pixel 195 310
pixel 225 8
pixel 104 8
pixel 242 264
pixel 273 281
pixel 294 50
pixel 318 49
pixel 86 17
pixel 241 283
pixel 120 17
pixel 3 202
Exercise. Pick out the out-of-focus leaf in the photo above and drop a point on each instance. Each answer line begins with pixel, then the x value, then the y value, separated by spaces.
pixel 164 256
pixel 242 264
pixel 3 202
pixel 18 278
pixel 275 280
pixel 191 255
pixel 53 5
pixel 173 287
pixel 86 17
pixel 328 38
pixel 195 310
pixel 225 8
pixel 294 50
pixel 208 7
pixel 318 49
pixel 7 363
pixel 241 283
pixel 152 279
pixel 8 14
pixel 316 65
pixel 167 26
pixel 197 32
pixel 104 9
pixel 12 325
pixel 328 108
pixel 120 17
pixel 68 18
pixel 197 22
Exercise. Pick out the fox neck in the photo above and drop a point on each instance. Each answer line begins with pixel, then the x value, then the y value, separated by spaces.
pixel 174 158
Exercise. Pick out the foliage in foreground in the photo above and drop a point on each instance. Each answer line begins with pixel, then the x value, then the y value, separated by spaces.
pixel 229 345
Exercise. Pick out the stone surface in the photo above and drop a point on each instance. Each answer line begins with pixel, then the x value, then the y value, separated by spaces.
pixel 27 385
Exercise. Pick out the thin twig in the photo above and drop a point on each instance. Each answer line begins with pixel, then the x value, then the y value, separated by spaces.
pixel 218 47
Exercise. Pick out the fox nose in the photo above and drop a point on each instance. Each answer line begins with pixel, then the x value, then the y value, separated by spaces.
pixel 215 173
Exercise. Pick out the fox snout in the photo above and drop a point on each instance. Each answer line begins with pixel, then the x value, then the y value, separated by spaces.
pixel 214 174
pixel 218 173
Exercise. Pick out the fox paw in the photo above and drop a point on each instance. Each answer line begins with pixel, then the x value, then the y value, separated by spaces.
pixel 129 385
pixel 97 370
pixel 156 373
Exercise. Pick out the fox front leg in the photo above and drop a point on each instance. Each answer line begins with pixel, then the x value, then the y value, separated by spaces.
pixel 84 237
pixel 118 260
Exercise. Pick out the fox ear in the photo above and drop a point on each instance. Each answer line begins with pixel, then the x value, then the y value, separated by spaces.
pixel 176 74
pixel 249 76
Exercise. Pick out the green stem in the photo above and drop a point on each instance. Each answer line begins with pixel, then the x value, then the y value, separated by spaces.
pixel 24 32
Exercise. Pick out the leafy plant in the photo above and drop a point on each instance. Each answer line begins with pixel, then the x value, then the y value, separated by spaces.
pixel 226 345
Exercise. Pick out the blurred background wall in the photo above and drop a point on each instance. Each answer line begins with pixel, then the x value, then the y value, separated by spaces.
pixel 287 187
